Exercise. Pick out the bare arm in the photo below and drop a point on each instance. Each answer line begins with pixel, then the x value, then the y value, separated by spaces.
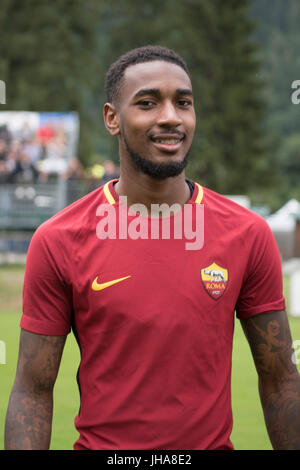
pixel 29 414
pixel 279 382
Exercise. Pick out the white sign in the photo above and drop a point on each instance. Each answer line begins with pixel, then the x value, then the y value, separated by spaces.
pixel 2 92
pixel 295 293
pixel 2 353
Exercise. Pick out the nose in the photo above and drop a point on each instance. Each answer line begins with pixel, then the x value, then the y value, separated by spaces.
pixel 169 115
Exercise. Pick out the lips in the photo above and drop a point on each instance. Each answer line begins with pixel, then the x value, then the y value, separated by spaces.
pixel 168 142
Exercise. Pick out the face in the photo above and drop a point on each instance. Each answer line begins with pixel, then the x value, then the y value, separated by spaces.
pixel 154 118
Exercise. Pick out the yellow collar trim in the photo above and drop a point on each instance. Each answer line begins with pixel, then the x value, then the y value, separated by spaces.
pixel 108 194
pixel 200 194
pixel 112 201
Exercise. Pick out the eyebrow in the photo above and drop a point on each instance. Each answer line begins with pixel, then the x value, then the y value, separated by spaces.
pixel 156 92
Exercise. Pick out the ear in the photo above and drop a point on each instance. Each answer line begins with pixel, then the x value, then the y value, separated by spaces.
pixel 111 119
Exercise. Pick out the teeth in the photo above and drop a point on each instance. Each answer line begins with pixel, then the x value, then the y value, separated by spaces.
pixel 168 141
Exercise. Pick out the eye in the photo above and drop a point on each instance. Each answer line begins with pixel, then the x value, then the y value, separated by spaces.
pixel 185 103
pixel 146 103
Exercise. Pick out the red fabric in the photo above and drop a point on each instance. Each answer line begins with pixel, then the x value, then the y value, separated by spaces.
pixel 156 348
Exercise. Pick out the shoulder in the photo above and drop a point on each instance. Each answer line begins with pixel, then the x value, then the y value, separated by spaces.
pixel 70 225
pixel 74 216
pixel 230 213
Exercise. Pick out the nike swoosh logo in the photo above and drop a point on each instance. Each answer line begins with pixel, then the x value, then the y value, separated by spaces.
pixel 96 286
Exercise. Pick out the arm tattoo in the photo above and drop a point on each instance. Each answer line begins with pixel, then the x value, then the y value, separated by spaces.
pixel 28 421
pixel 279 381
pixel 29 414
pixel 271 345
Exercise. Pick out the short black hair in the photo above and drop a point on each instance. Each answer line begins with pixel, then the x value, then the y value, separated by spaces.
pixel 115 74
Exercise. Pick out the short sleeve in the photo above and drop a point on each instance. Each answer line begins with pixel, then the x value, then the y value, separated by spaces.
pixel 262 285
pixel 47 301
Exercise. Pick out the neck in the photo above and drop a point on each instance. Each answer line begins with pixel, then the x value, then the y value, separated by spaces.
pixel 145 190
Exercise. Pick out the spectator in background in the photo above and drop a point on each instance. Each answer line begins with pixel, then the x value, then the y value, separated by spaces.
pixel 33 149
pixel 5 134
pixel 11 165
pixel 54 164
pixel 57 145
pixel 32 156
pixel 94 176
pixel 25 133
pixel 52 167
pixel 75 176
pixel 45 134
pixel 15 146
pixel 110 171
pixel 75 170
pixel 21 170
pixel 4 173
pixel 3 149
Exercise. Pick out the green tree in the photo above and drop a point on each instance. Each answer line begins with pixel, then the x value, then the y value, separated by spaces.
pixel 279 38
pixel 230 146
pixel 126 24
pixel 214 37
pixel 53 57
pixel 290 160
pixel 48 53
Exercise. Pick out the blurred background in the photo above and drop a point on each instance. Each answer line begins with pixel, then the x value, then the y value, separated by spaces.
pixel 244 60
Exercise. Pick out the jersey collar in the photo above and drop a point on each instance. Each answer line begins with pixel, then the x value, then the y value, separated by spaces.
pixel 113 198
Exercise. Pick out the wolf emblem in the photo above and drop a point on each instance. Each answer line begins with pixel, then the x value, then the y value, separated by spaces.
pixel 215 275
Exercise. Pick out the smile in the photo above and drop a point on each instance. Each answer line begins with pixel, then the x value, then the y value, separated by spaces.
pixel 167 143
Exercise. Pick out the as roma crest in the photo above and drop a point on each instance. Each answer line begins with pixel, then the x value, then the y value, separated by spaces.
pixel 215 280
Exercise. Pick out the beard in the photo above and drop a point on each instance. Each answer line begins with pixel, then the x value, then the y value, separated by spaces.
pixel 158 171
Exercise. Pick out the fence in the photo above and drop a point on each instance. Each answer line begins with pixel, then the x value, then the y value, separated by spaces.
pixel 24 207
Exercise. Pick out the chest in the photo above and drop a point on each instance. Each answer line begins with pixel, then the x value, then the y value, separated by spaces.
pixel 156 281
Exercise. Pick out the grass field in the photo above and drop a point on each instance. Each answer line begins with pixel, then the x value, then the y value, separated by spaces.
pixel 249 431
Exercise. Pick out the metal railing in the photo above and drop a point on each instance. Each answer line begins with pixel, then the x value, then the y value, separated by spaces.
pixel 26 206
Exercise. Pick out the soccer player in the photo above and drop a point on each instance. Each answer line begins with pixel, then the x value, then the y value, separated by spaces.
pixel 153 317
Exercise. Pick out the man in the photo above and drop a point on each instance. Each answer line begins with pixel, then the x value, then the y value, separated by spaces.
pixel 153 320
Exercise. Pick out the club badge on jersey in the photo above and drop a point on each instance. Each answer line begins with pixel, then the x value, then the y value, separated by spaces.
pixel 214 279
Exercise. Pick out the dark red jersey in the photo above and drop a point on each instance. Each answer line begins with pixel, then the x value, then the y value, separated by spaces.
pixel 153 319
